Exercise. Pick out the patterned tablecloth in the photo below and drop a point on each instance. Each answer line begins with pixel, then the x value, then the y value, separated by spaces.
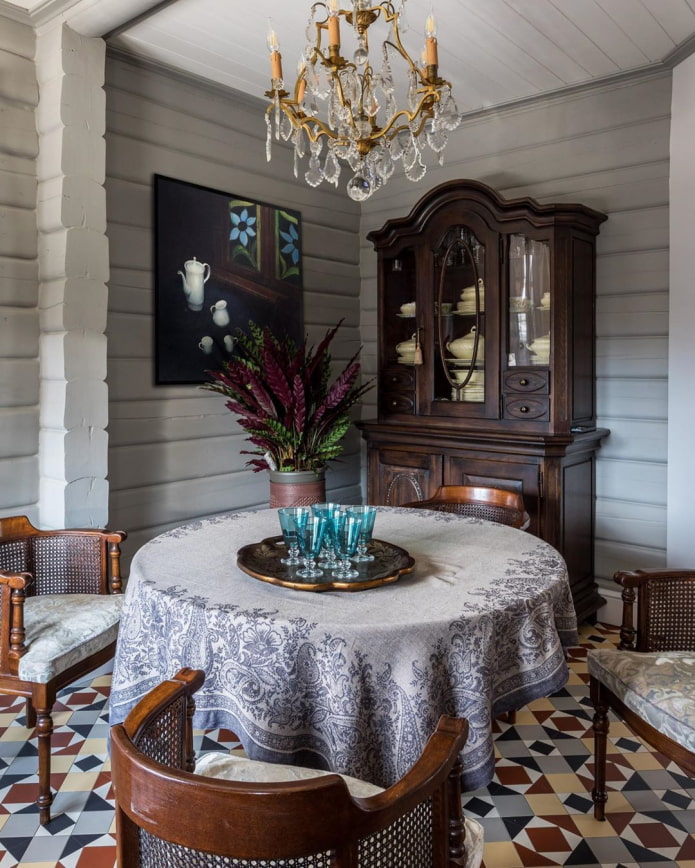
pixel 353 682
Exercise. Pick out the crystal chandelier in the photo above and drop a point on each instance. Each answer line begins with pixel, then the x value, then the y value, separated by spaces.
pixel 351 107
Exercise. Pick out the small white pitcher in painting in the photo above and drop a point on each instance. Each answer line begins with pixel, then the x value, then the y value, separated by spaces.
pixel 194 280
pixel 220 315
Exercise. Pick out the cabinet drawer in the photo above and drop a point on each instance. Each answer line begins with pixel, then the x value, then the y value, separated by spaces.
pixel 397 377
pixel 397 402
pixel 526 407
pixel 526 381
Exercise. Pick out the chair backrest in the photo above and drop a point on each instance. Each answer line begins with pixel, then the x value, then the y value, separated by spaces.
pixel 60 561
pixel 492 504
pixel 166 815
pixel 665 606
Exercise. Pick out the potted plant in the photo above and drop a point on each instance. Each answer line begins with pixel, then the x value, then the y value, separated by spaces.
pixel 294 411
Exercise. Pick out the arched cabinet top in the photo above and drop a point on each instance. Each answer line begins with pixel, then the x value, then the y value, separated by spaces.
pixel 473 197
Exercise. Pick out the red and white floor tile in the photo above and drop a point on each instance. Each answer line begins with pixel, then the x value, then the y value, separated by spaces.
pixel 536 811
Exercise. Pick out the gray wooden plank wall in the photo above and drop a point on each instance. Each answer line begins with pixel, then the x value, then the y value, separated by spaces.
pixel 608 148
pixel 19 316
pixel 174 450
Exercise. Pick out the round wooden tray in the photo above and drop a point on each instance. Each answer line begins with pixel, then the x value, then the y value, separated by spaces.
pixel 262 561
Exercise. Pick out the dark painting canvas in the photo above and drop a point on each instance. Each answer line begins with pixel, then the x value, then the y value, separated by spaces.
pixel 220 261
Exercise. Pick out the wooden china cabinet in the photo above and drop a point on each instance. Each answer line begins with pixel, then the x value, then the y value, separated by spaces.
pixel 486 361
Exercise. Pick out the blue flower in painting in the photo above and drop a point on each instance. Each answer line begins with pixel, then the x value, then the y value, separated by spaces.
pixel 291 238
pixel 242 227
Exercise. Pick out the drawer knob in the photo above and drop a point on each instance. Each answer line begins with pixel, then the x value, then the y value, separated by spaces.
pixel 394 379
pixel 523 409
pixel 523 381
pixel 394 403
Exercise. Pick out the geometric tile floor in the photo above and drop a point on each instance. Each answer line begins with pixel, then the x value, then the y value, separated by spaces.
pixel 536 811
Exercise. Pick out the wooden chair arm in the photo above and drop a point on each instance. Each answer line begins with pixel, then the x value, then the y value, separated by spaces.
pixel 13 587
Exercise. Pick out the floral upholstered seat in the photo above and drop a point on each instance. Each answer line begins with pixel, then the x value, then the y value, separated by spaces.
pixel 64 629
pixel 659 687
pixel 649 681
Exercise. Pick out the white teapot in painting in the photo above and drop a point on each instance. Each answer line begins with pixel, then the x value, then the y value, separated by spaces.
pixel 197 274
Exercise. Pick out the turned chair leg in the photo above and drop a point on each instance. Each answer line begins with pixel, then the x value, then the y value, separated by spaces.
pixel 601 724
pixel 30 713
pixel 44 730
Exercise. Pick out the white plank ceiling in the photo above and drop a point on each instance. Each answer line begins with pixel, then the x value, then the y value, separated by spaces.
pixel 493 51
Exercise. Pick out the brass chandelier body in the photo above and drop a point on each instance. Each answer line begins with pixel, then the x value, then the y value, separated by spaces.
pixel 350 106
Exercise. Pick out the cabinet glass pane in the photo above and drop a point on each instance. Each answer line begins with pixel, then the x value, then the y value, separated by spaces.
pixel 529 301
pixel 459 315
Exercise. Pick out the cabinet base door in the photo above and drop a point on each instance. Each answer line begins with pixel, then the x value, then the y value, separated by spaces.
pixel 397 477
pixel 511 475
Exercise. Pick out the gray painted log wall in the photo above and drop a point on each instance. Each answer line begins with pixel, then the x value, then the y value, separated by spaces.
pixel 19 315
pixel 174 450
pixel 607 148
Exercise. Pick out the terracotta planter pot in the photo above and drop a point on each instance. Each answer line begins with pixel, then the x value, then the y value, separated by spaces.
pixel 297 487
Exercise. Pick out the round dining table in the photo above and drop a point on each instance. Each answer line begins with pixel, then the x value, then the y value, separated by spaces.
pixel 354 682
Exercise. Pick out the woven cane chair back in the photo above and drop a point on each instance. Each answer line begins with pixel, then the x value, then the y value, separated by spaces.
pixel 491 504
pixel 312 823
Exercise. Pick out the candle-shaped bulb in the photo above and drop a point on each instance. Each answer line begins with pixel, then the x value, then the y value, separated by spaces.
pixel 430 27
pixel 431 41
pixel 272 38
pixel 334 22
pixel 275 57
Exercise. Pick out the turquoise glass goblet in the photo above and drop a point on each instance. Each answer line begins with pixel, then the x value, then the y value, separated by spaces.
pixel 347 534
pixel 367 514
pixel 328 557
pixel 291 519
pixel 310 541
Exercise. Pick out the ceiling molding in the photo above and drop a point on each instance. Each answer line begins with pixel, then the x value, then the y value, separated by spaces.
pixel 681 52
pixel 609 82
pixel 93 18
pixel 14 13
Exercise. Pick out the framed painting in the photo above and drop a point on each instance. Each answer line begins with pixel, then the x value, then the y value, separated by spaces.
pixel 220 261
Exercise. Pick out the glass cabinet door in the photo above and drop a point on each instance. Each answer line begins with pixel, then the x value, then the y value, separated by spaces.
pixel 529 302
pixel 459 318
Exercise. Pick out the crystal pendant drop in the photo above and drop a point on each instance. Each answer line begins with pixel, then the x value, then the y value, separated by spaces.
pixel 403 23
pixel 417 171
pixel 361 55
pixel 313 175
pixel 447 111
pixel 286 128
pixel 359 188
pixel 412 90
pixel 331 169
pixel 268 137
pixel 410 154
pixel 436 137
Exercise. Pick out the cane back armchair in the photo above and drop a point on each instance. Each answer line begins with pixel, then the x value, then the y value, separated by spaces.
pixel 60 603
pixel 649 681
pixel 493 504
pixel 166 813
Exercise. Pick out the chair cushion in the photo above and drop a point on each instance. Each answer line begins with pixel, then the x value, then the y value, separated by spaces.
pixel 659 687
pixel 63 629
pixel 232 767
